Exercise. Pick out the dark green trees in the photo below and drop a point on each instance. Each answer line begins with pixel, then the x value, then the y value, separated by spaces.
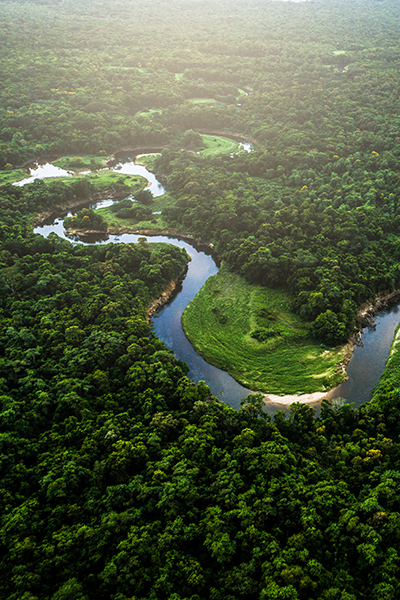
pixel 86 219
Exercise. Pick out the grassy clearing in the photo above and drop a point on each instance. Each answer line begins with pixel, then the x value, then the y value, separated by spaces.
pixel 219 322
pixel 11 176
pixel 147 160
pixel 201 100
pixel 391 375
pixel 156 221
pixel 107 180
pixel 148 111
pixel 219 145
pixel 81 163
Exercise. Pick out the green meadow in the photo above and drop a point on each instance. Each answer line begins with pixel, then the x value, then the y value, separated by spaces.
pixel 251 332
pixel 12 176
pixel 219 145
pixel 201 100
pixel 102 179
pixel 147 160
pixel 156 220
pixel 106 180
pixel 81 163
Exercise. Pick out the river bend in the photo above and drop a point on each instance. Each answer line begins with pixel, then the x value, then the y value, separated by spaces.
pixel 364 369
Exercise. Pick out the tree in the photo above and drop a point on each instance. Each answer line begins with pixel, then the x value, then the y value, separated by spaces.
pixel 329 329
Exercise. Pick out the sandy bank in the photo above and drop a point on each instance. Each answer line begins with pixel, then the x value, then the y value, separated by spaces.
pixel 290 398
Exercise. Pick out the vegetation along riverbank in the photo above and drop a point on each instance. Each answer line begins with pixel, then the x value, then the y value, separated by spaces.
pixel 251 332
pixel 120 477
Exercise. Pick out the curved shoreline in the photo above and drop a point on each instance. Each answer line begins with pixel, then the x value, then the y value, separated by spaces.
pixel 289 399
pixel 168 232
pixel 169 292
pixel 364 317
pixel 136 150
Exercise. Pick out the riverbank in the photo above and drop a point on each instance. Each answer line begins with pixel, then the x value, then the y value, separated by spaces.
pixel 367 312
pixel 316 397
pixel 250 332
pixel 289 399
pixel 168 232
pixel 365 318
pixel 167 295
pixel 77 204
pixel 317 377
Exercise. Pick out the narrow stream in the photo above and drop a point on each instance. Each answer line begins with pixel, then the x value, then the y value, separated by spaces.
pixel 364 369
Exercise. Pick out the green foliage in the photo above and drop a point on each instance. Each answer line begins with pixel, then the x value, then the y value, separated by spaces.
pixel 263 333
pixel 86 219
pixel 329 329
pixel 126 209
pixel 191 140
pixel 329 260
pixel 144 196
pixel 251 332
pixel 120 478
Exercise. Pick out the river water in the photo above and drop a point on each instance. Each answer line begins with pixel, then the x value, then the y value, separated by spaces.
pixel 369 359
pixel 43 170
pixel 364 369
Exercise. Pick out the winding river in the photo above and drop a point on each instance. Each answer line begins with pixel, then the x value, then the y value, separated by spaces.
pixel 364 369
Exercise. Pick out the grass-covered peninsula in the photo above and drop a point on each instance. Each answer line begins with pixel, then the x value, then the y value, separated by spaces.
pixel 251 332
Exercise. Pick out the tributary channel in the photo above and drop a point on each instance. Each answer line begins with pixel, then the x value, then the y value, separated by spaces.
pixel 364 369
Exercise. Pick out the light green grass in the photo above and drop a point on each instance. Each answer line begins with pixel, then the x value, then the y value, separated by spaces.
pixel 87 162
pixel 220 319
pixel 219 145
pixel 178 76
pixel 106 180
pixel 201 100
pixel 390 378
pixel 11 176
pixel 147 160
pixel 148 111
pixel 155 222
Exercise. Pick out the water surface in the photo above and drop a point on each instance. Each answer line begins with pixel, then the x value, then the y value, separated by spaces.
pixel 167 322
pixel 364 369
pixel 42 171
pixel 45 170
pixel 369 359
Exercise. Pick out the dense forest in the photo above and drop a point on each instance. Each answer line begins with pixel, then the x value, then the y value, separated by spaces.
pixel 120 478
